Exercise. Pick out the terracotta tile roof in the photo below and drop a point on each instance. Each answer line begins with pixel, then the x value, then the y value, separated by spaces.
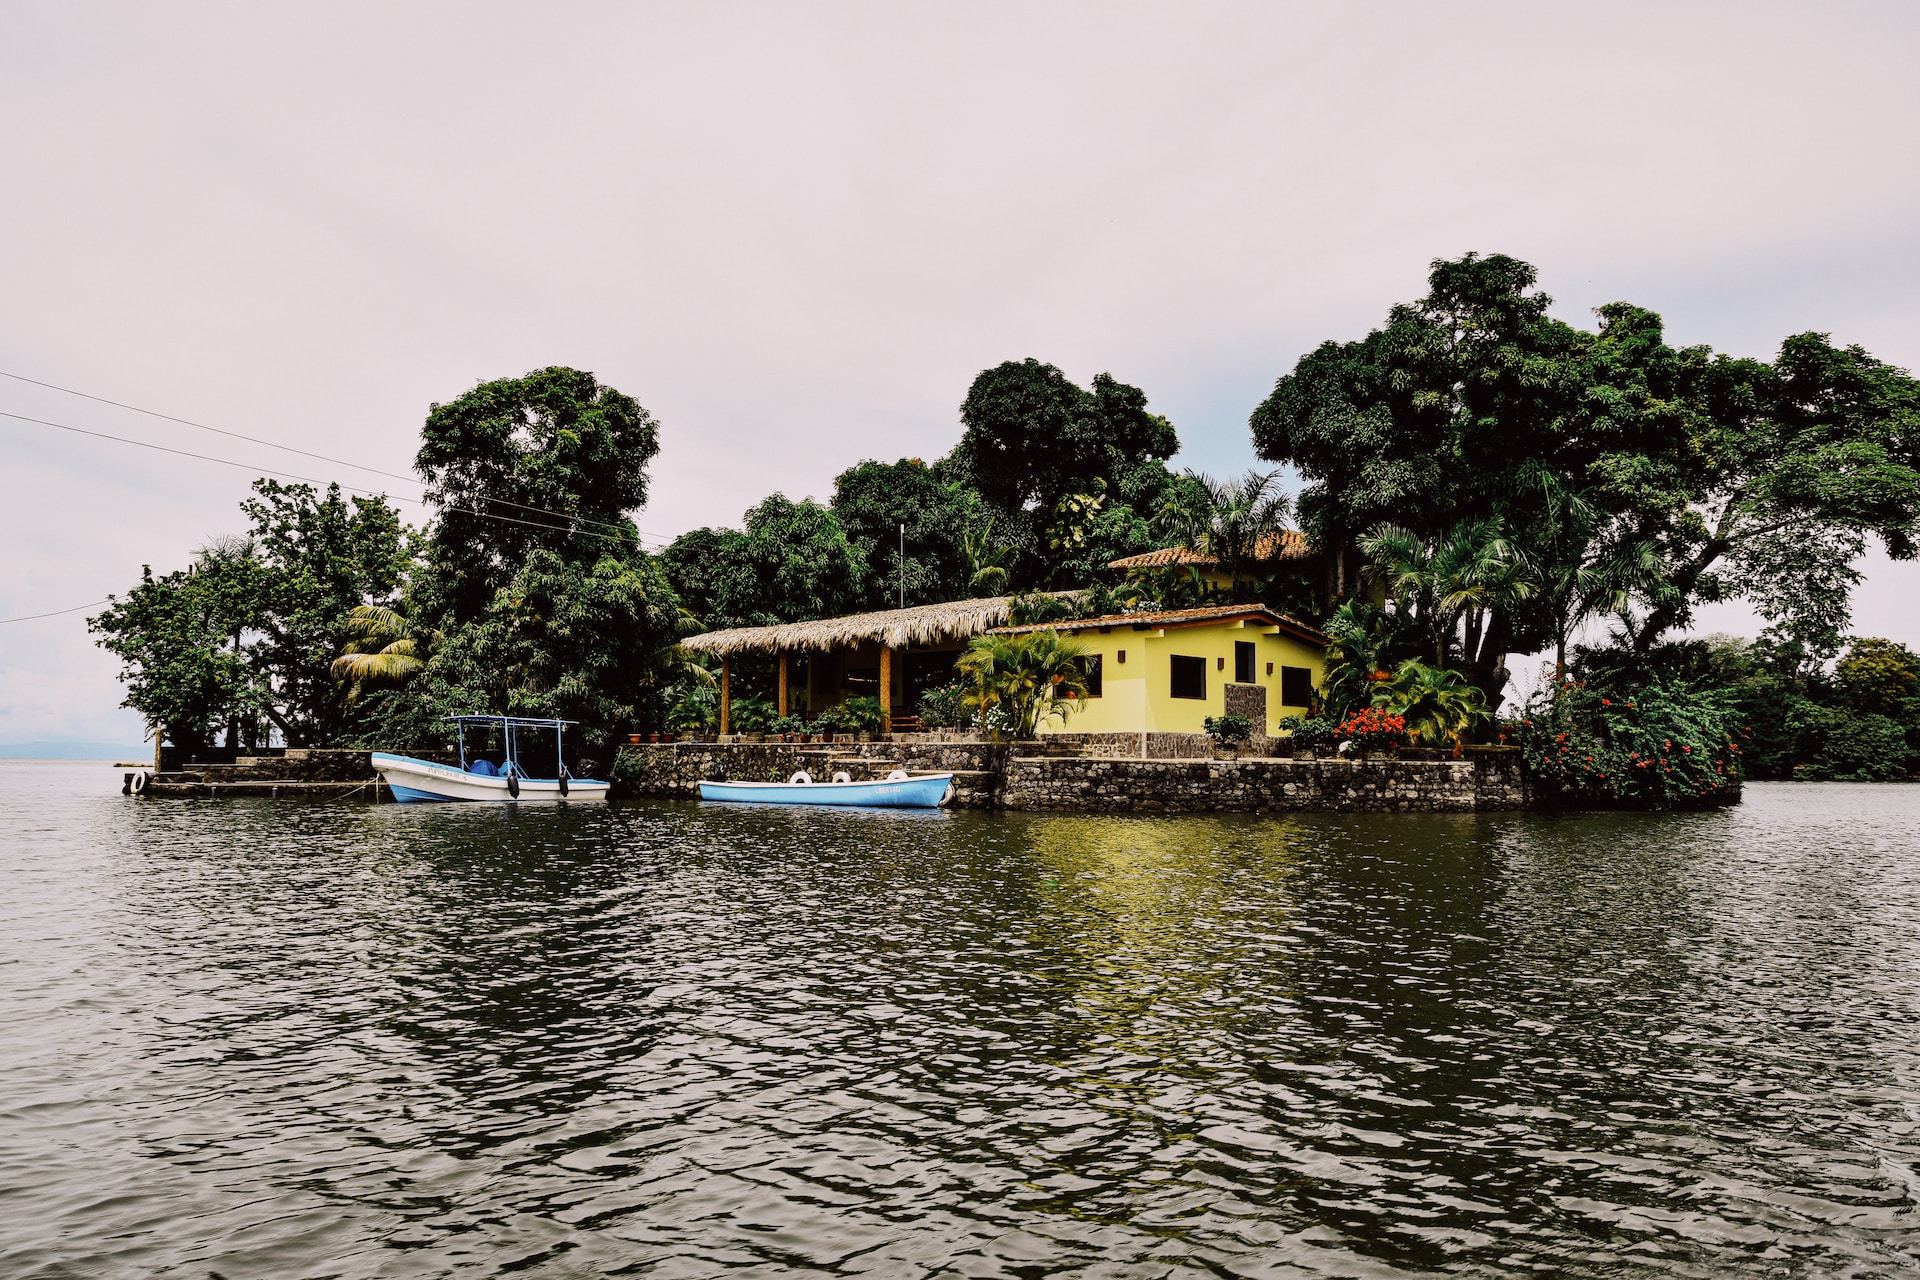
pixel 1176 618
pixel 1289 544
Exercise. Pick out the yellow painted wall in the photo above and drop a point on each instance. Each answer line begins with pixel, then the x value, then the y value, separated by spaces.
pixel 1137 694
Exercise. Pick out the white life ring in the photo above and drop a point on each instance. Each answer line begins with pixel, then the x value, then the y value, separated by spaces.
pixel 898 775
pixel 800 779
pixel 140 781
pixel 842 776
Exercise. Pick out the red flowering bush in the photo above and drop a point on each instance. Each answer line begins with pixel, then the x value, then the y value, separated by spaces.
pixel 1662 748
pixel 1374 730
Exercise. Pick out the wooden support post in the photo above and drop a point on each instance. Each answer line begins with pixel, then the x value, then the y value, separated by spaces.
pixel 726 694
pixel 783 682
pixel 886 689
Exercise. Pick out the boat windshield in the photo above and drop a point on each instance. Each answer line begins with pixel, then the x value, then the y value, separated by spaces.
pixel 495 746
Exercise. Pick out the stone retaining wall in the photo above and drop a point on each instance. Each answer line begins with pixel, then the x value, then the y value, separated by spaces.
pixel 991 776
pixel 1177 786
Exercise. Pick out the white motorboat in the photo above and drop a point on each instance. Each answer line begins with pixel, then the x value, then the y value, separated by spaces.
pixel 508 780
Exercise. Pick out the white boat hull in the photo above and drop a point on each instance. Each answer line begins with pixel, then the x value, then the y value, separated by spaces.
pixel 422 781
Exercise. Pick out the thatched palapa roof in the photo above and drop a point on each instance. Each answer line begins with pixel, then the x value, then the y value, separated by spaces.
pixel 896 628
pixel 1288 544
pixel 1174 619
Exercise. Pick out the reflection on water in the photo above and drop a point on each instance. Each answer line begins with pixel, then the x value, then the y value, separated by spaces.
pixel 253 1038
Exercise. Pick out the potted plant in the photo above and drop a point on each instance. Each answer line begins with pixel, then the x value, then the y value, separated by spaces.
pixel 1229 734
pixel 786 727
pixel 1374 732
pixel 941 707
pixel 750 717
pixel 1312 737
pixel 861 717
pixel 826 724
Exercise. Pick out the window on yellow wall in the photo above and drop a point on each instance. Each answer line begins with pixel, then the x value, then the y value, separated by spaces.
pixel 1243 665
pixel 1296 687
pixel 1091 665
pixel 1189 676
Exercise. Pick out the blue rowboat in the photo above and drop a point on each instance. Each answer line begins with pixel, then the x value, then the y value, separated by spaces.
pixel 897 791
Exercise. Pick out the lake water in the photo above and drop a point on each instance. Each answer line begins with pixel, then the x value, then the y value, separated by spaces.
pixel 280 1039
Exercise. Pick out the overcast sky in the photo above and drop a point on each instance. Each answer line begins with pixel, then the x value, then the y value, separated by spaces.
pixel 796 232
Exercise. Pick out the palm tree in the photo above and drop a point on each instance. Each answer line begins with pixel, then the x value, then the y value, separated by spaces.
pixel 1438 705
pixel 1453 586
pixel 1586 571
pixel 387 650
pixel 1363 637
pixel 1024 681
pixel 987 565
pixel 1234 522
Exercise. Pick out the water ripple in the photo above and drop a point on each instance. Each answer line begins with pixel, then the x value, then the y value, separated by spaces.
pixel 256 1038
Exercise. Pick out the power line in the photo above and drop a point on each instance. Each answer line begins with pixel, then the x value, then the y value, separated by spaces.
pixel 288 475
pixel 56 612
pixel 271 444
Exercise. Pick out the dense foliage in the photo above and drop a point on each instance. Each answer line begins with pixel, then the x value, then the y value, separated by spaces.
pixel 241 644
pixel 1669 746
pixel 1858 721
pixel 1015 684
pixel 1544 475
pixel 791 562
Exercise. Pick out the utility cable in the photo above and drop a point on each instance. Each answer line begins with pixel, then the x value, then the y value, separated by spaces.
pixel 54 613
pixel 288 475
pixel 320 457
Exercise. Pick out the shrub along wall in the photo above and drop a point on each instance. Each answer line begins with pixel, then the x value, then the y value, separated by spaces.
pixel 1659 748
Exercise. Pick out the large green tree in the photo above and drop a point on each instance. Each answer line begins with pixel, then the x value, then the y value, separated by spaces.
pixel 249 632
pixel 178 639
pixel 791 562
pixel 552 461
pixel 1772 482
pixel 1697 477
pixel 533 568
pixel 323 555
pixel 872 501
pixel 588 640
pixel 1033 437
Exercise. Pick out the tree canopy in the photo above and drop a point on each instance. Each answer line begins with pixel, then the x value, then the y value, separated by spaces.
pixel 873 499
pixel 552 461
pixel 791 562
pixel 1630 478
pixel 249 632
pixel 1032 437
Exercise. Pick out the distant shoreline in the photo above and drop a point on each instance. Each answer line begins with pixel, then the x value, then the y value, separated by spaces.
pixel 75 751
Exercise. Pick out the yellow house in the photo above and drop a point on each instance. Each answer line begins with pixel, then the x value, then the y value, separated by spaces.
pixel 1150 672
pixel 1168 672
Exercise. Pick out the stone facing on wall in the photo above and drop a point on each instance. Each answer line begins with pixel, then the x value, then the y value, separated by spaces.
pixel 1168 786
pixel 989 776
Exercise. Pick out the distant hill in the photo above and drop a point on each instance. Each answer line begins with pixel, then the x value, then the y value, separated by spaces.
pixel 74 751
